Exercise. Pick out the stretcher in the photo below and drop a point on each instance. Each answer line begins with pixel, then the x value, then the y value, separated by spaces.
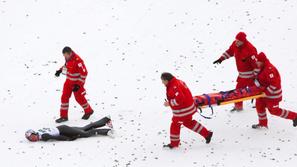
pixel 226 97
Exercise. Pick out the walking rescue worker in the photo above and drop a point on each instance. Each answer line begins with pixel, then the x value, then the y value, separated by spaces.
pixel 180 100
pixel 242 50
pixel 76 74
pixel 269 81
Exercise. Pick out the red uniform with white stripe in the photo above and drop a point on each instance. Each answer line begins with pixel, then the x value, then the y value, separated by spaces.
pixel 182 104
pixel 244 66
pixel 269 81
pixel 76 74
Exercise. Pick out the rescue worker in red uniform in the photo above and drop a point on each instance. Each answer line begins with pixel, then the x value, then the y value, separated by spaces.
pixel 242 50
pixel 76 73
pixel 269 81
pixel 180 100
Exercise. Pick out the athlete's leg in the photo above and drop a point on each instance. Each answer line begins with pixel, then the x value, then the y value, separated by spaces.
pixel 71 131
pixel 94 132
pixel 102 122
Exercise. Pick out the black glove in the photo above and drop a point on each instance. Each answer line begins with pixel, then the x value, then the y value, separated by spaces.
pixel 57 74
pixel 219 61
pixel 75 88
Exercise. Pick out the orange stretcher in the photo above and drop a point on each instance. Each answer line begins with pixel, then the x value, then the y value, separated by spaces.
pixel 226 97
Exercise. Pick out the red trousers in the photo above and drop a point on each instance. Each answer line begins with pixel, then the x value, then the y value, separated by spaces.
pixel 273 108
pixel 79 97
pixel 187 122
pixel 242 83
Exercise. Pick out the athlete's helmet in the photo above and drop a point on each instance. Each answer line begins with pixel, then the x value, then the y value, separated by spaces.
pixel 31 135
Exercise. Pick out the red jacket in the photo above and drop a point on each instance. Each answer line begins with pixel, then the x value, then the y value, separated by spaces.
pixel 180 98
pixel 243 60
pixel 76 70
pixel 269 81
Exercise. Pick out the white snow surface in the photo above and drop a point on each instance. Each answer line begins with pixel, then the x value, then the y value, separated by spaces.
pixel 126 45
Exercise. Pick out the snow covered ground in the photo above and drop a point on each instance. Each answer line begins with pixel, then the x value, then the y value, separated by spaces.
pixel 126 44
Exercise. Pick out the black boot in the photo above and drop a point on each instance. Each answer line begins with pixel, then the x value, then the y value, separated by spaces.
pixel 208 137
pixel 60 120
pixel 295 122
pixel 169 146
pixel 258 126
pixel 236 109
pixel 87 115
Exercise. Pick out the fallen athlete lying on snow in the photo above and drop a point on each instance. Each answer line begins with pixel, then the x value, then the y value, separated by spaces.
pixel 67 133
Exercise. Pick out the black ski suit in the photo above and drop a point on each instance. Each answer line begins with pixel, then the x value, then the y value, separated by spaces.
pixel 68 133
